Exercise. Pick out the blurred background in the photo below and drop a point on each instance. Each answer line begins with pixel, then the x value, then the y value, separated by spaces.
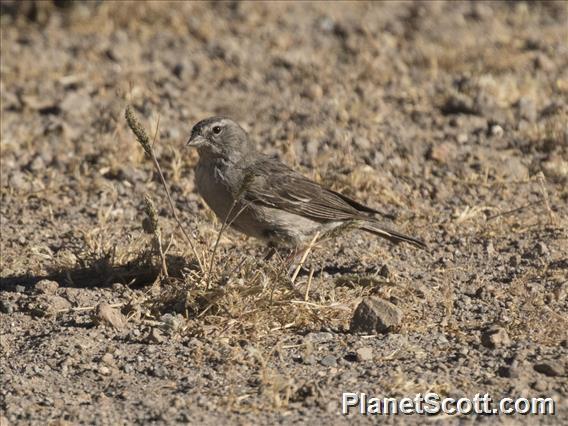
pixel 396 103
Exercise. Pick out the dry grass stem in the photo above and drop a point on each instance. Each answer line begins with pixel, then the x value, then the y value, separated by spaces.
pixel 214 251
pixel 542 183
pixel 144 141
pixel 154 229
pixel 309 285
pixel 516 210
pixel 304 257
pixel 89 308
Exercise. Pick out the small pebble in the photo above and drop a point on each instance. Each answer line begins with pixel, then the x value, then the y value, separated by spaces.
pixel 515 260
pixel 107 315
pixel 540 386
pixel 6 307
pixel 46 287
pixel 497 131
pixel 319 337
pixel 328 361
pixel 309 360
pixel 541 249
pixel 374 315
pixel 104 370
pixel 495 337
pixel 550 369
pixel 155 336
pixel 364 354
pixel 108 359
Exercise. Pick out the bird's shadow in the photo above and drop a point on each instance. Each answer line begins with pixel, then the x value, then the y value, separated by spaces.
pixel 101 272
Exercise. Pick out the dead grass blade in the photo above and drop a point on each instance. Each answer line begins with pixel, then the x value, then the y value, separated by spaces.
pixel 144 141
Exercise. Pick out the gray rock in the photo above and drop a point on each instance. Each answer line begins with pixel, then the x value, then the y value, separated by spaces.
pixel 364 354
pixel 527 109
pixel 497 131
pixel 172 323
pixel 540 385
pixel 313 92
pixel 541 249
pixel 462 138
pixel 385 272
pixel 104 370
pixel 37 164
pixel 458 103
pixel 374 315
pixel 309 360
pixel 509 372
pixel 550 368
pixel 155 336
pixel 47 305
pixel 46 287
pixel 328 361
pixel 495 337
pixel 108 359
pixel 159 371
pixel 319 337
pixel 107 315
pixel 19 183
pixel 515 260
pixel 6 307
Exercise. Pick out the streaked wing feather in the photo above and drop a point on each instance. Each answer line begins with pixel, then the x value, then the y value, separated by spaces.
pixel 276 185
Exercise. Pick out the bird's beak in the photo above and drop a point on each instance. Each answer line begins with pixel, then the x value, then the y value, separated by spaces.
pixel 195 141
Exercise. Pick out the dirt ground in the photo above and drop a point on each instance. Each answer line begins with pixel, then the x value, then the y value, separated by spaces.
pixel 453 116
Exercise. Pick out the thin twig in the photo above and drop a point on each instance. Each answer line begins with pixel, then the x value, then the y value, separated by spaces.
pixel 508 212
pixel 214 252
pixel 142 137
pixel 309 284
pixel 334 305
pixel 542 181
pixel 304 257
pixel 223 227
pixel 89 308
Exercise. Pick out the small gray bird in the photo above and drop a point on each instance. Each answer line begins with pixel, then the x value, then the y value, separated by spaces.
pixel 263 198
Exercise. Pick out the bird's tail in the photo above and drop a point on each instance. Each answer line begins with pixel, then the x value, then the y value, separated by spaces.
pixel 392 235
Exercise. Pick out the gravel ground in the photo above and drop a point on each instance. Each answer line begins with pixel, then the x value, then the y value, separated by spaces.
pixel 452 116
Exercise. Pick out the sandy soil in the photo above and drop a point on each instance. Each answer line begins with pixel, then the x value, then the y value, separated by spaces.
pixel 453 116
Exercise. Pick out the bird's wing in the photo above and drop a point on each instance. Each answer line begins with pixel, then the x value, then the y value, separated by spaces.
pixel 271 183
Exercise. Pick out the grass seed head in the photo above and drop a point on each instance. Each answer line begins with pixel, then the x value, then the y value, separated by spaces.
pixel 138 130
pixel 151 226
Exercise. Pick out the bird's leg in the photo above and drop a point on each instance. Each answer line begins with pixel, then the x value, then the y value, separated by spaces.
pixel 270 253
pixel 293 259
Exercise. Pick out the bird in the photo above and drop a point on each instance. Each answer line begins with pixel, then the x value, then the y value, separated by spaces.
pixel 263 198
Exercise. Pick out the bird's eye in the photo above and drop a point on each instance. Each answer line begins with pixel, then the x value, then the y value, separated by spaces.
pixel 217 130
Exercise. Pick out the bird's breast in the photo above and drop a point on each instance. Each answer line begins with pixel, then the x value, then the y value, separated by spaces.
pixel 212 184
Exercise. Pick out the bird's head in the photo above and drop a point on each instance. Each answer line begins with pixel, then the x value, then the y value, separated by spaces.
pixel 221 137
